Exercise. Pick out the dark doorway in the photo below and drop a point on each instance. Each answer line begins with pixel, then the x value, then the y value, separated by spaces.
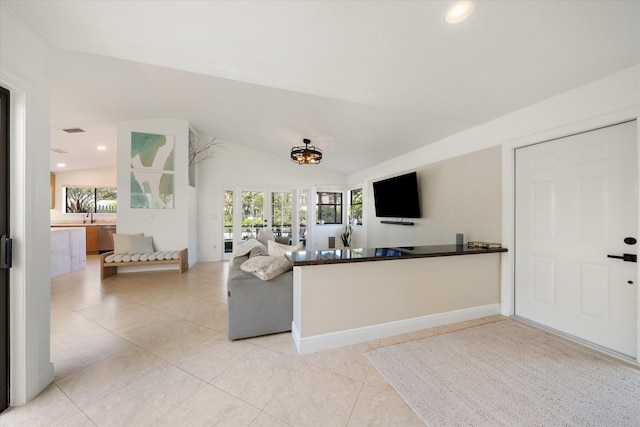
pixel 4 231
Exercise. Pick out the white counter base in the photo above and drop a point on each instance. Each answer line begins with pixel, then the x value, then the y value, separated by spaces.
pixel 68 250
pixel 343 304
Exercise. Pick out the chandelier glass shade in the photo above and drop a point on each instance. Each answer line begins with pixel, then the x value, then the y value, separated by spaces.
pixel 306 155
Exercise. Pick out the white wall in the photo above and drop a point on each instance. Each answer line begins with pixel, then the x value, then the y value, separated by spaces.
pixel 97 177
pixel 236 166
pixel 170 228
pixel 23 70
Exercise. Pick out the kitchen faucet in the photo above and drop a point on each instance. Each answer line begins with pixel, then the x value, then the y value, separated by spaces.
pixel 90 215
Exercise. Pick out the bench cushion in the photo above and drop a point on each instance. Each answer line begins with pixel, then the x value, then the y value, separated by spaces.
pixel 153 256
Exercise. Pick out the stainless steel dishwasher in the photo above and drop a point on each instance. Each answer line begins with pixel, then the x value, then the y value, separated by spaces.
pixel 105 237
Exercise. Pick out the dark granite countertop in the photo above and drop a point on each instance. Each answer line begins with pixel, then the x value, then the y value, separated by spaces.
pixel 336 256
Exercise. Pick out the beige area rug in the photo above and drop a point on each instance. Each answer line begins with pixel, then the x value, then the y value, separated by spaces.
pixel 509 374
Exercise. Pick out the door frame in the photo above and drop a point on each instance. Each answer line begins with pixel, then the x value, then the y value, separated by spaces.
pixel 5 193
pixel 507 293
pixel 237 208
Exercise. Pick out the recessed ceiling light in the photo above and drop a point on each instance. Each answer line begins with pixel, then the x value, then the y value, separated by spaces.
pixel 101 147
pixel 458 12
pixel 61 165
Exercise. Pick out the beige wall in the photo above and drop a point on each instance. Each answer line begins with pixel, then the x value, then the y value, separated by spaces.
pixel 339 297
pixel 458 195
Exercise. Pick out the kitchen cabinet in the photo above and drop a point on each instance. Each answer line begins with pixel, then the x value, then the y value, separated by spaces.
pixel 92 240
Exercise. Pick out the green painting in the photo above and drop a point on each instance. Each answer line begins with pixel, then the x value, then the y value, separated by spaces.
pixel 150 151
pixel 151 190
pixel 152 162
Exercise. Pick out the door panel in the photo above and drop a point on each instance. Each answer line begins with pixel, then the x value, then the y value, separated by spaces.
pixel 576 201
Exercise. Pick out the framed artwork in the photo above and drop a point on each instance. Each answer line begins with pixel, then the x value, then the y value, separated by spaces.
pixel 152 176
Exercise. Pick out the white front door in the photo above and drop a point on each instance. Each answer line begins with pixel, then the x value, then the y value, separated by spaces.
pixel 576 203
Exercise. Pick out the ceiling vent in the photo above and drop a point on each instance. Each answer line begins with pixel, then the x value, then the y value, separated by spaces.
pixel 73 130
pixel 59 151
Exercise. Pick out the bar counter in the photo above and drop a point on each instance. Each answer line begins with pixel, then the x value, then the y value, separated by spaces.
pixel 335 256
pixel 344 296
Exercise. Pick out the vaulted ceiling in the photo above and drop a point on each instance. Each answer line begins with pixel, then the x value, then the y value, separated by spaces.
pixel 364 80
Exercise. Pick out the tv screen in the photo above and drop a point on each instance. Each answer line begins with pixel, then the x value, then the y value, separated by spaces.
pixel 397 197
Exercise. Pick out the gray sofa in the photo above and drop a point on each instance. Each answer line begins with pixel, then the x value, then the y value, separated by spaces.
pixel 258 307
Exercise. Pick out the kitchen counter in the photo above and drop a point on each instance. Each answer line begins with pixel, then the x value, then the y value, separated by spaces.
pixel 68 250
pixel 80 224
pixel 99 235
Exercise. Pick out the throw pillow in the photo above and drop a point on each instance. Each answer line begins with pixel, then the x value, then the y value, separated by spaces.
pixel 258 251
pixel 121 243
pixel 265 235
pixel 278 249
pixel 266 267
pixel 140 245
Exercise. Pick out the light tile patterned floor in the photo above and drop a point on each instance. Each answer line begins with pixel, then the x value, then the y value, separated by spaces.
pixel 150 349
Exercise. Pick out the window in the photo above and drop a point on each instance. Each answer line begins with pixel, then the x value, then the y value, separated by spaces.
pixel 329 208
pixel 228 221
pixel 355 206
pixel 86 199
pixel 302 218
pixel 252 213
pixel 281 213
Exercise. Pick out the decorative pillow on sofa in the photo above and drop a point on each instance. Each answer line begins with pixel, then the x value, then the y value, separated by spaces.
pixel 266 267
pixel 265 235
pixel 140 245
pixel 278 249
pixel 121 243
pixel 258 251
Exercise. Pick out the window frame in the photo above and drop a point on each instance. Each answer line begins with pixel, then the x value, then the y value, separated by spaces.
pixel 93 204
pixel 337 207
pixel 360 220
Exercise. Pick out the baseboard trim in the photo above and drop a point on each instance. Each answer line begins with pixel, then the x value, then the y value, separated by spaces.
pixel 45 376
pixel 346 337
pixel 296 335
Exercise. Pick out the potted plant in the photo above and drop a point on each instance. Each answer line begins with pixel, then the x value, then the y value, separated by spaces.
pixel 345 236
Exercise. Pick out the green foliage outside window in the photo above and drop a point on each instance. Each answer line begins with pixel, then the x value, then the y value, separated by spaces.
pixel 252 209
pixel 86 199
pixel 282 213
pixel 355 207
pixel 329 208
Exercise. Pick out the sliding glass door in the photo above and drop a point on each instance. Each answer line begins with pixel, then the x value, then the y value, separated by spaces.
pixel 246 211
pixel 282 215
pixel 252 213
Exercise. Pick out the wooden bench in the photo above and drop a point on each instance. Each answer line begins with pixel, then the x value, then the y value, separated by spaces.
pixel 110 268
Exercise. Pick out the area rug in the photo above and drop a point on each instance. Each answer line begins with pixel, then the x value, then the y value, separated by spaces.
pixel 510 374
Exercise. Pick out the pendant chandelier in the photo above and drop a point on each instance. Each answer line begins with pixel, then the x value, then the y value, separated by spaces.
pixel 306 155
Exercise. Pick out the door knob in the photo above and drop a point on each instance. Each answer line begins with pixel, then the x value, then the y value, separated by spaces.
pixel 625 257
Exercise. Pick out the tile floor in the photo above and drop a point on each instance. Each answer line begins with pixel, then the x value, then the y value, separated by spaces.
pixel 150 349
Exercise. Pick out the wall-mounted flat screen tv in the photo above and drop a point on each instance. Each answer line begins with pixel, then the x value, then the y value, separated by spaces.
pixel 397 197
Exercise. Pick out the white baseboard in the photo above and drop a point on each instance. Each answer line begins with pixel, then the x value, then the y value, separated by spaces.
pixel 296 335
pixel 383 330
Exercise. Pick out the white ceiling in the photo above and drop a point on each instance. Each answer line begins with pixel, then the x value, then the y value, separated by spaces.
pixel 364 80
